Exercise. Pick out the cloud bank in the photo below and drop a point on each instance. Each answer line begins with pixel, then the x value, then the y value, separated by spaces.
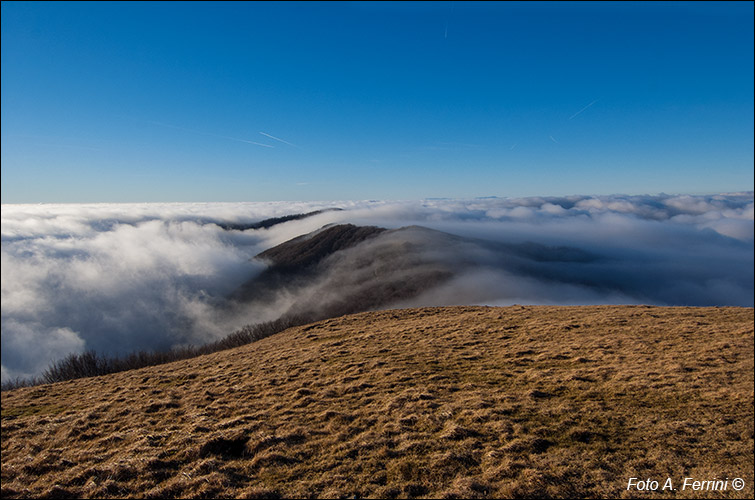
pixel 116 278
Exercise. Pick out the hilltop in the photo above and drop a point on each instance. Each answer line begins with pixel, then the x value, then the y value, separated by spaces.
pixel 344 269
pixel 453 402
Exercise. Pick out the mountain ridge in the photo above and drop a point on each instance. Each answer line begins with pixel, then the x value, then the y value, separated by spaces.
pixel 343 268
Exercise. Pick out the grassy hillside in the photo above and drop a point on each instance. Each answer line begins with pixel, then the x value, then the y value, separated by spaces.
pixel 436 402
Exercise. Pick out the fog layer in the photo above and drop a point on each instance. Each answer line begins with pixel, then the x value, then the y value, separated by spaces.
pixel 117 278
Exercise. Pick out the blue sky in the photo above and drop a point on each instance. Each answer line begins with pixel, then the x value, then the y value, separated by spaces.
pixel 132 102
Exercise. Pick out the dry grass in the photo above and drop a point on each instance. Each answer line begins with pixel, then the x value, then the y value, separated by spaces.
pixel 461 402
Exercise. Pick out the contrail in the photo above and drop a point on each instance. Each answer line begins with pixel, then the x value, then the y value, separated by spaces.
pixel 176 127
pixel 252 142
pixel 578 112
pixel 242 140
pixel 280 140
pixel 554 140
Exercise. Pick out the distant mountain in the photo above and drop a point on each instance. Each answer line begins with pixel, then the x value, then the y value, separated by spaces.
pixel 343 269
pixel 267 223
pixel 304 252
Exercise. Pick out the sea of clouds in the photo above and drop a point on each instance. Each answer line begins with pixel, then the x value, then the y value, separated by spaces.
pixel 122 277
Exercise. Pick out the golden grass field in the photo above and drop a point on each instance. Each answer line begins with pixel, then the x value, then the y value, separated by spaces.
pixel 453 402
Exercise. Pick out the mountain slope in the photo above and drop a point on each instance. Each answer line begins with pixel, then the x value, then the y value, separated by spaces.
pixel 303 252
pixel 434 402
pixel 343 269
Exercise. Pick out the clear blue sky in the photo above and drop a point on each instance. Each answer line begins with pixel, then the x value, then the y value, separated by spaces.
pixel 119 102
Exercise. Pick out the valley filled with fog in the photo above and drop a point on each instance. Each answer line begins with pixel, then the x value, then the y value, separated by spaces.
pixel 115 278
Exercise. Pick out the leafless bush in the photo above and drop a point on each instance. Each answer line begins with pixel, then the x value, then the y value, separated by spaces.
pixel 92 364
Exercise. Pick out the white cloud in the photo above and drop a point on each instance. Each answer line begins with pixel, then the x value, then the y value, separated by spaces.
pixel 139 276
pixel 34 346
